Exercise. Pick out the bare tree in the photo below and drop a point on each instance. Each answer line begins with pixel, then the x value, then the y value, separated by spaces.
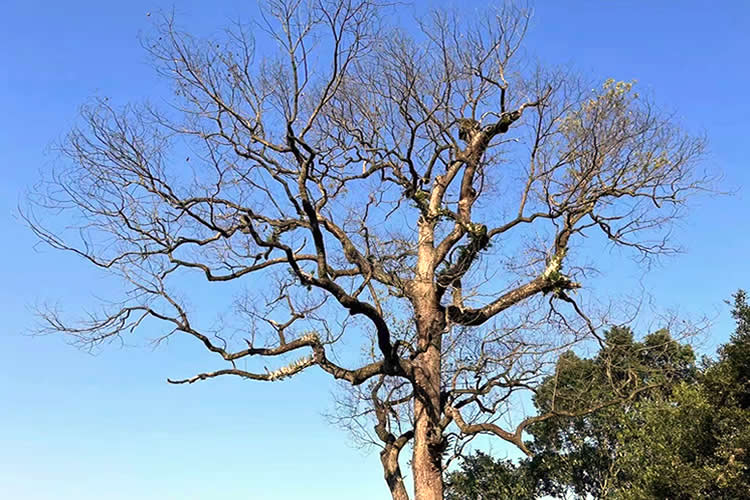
pixel 422 190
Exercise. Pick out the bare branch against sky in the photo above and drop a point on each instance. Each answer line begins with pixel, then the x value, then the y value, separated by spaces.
pixel 423 193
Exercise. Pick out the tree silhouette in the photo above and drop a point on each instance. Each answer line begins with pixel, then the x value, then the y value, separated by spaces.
pixel 422 190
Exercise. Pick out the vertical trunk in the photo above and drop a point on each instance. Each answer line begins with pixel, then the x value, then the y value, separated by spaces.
pixel 428 440
pixel 428 437
pixel 427 465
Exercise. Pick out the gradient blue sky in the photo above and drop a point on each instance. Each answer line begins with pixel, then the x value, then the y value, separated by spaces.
pixel 76 426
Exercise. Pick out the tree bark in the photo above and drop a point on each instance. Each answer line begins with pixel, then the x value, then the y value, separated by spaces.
pixel 392 473
pixel 428 436
pixel 427 458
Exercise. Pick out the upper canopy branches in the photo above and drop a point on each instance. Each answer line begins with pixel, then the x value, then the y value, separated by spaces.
pixel 357 157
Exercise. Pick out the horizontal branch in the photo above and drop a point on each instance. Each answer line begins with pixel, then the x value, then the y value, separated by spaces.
pixel 542 284
pixel 311 340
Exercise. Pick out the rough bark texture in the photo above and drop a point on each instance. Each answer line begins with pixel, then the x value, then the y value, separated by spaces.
pixel 428 445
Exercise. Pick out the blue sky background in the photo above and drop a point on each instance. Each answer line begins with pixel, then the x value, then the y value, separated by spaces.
pixel 76 426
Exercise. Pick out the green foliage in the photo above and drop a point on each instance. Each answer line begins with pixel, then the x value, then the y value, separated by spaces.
pixel 676 448
pixel 579 453
pixel 729 379
pixel 687 437
pixel 484 478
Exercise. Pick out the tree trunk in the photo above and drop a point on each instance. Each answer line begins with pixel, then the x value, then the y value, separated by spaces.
pixel 428 436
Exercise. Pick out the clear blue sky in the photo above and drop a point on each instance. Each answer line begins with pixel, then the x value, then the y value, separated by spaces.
pixel 76 426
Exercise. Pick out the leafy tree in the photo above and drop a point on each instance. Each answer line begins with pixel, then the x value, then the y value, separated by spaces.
pixel 421 192
pixel 483 478
pixel 729 379
pixel 581 453
pixel 695 443
pixel 686 438
pixel 668 449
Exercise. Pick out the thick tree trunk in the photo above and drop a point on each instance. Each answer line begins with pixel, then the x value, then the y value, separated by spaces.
pixel 428 438
pixel 427 458
pixel 428 477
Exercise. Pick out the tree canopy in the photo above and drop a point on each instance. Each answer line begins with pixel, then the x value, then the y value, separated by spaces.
pixel 420 190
